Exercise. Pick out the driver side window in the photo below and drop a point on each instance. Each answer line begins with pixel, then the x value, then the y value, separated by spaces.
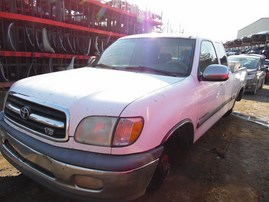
pixel 207 56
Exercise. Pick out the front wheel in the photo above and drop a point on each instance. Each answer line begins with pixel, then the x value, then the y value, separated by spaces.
pixel 262 83
pixel 254 92
pixel 161 172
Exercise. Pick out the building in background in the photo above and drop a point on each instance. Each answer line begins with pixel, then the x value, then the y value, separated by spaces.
pixel 255 27
pixel 253 38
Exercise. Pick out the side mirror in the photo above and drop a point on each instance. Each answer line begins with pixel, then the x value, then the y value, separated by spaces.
pixel 216 72
pixel 234 66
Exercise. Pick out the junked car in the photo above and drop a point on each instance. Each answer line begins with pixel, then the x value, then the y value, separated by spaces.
pixel 255 68
pixel 266 64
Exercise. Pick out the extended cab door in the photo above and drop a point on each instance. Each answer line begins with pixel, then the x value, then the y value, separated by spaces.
pixel 230 86
pixel 211 93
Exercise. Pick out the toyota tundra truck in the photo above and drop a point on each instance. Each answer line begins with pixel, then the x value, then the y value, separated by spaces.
pixel 106 131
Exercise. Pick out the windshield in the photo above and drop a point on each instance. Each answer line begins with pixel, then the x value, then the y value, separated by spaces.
pixel 166 56
pixel 249 63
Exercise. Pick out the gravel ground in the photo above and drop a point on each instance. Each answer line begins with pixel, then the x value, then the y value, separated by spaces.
pixel 229 163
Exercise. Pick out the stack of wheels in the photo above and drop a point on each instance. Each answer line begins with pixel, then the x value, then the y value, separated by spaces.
pixel 27 37
pixel 50 35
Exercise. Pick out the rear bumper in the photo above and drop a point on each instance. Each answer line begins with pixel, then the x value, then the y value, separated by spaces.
pixel 126 178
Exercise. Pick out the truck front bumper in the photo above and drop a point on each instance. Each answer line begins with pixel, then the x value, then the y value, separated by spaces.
pixel 104 177
pixel 251 85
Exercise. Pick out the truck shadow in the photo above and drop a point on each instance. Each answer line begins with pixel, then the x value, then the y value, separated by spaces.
pixel 224 165
pixel 21 188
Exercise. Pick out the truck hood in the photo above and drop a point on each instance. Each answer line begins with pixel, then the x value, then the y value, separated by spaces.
pixel 106 92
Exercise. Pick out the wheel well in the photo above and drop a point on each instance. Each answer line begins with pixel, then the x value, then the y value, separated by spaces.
pixel 240 94
pixel 182 137
pixel 171 152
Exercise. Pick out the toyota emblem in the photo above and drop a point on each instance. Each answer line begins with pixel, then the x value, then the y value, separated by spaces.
pixel 25 112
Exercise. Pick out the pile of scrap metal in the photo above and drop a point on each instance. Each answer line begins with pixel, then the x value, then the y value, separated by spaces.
pixel 40 36
pixel 257 43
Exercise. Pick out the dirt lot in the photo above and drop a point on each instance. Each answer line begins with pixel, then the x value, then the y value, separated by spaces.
pixel 229 163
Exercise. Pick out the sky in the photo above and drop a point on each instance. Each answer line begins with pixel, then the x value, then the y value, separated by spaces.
pixel 215 19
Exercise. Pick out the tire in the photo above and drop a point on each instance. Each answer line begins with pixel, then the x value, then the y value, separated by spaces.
pixel 161 172
pixel 254 92
pixel 185 142
pixel 240 95
pixel 180 140
pixel 262 83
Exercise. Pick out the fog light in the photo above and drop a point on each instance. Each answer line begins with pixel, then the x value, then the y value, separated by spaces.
pixel 88 182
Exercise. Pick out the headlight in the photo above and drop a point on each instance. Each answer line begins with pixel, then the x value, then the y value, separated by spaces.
pixel 96 130
pixel 109 131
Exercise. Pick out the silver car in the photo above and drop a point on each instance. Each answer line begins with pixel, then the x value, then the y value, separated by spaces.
pixel 255 68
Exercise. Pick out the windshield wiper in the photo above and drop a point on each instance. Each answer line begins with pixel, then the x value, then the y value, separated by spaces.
pixel 150 70
pixel 140 69
pixel 104 66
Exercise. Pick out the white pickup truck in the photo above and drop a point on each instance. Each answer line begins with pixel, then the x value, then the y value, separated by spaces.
pixel 106 131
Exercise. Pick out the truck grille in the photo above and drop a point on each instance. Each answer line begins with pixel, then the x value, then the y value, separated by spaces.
pixel 41 120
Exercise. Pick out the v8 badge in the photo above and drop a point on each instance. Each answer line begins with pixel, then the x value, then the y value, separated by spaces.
pixel 49 131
